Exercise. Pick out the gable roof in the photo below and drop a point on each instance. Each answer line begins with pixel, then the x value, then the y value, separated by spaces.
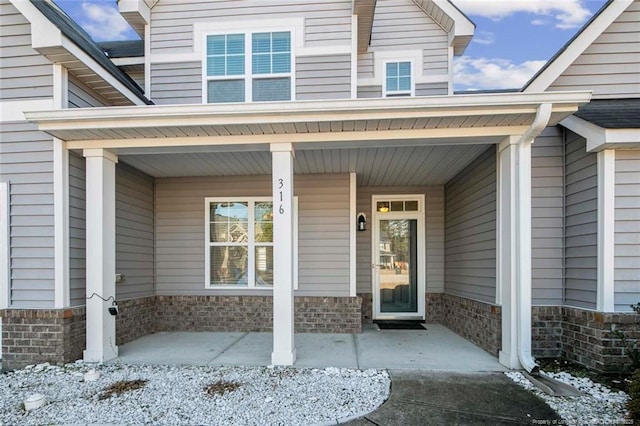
pixel 77 35
pixel 568 53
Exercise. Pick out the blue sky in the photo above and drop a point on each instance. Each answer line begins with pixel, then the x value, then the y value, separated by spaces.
pixel 513 38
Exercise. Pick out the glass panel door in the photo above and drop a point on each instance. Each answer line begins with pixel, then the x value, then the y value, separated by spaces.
pixel 397 266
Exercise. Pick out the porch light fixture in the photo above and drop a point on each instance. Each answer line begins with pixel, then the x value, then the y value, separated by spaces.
pixel 362 222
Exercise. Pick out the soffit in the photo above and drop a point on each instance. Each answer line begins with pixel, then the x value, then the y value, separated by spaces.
pixel 378 166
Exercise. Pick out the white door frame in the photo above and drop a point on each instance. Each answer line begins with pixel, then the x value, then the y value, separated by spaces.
pixel 419 215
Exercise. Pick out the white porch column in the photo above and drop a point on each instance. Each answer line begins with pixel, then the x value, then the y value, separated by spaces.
pixel 606 229
pixel 506 250
pixel 101 254
pixel 284 351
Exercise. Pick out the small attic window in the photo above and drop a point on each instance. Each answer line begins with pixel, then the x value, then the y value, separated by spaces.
pixel 398 79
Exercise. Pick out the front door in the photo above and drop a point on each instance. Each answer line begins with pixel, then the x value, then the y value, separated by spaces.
pixel 398 257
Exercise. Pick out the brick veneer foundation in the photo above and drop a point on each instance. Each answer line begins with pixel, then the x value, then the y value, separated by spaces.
pixel 434 308
pixel 546 331
pixel 589 338
pixel 31 336
pixel 255 313
pixel 476 321
pixel 136 318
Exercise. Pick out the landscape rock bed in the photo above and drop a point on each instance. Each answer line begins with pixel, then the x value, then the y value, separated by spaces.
pixel 598 406
pixel 177 395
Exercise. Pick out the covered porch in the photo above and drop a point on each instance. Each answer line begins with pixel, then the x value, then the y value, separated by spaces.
pixel 189 153
pixel 435 348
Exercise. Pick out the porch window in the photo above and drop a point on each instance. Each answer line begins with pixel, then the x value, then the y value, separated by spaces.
pixel 250 67
pixel 239 243
pixel 398 81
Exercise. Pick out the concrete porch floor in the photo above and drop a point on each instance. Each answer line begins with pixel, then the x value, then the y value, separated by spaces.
pixel 437 349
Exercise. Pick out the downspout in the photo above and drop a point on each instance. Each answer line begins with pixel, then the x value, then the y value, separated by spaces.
pixel 523 285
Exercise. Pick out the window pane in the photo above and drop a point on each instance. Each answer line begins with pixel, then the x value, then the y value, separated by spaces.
pixel 404 83
pixel 215 66
pixel 264 222
pixel 281 62
pixel 397 206
pixel 264 266
pixel 235 44
pixel 281 42
pixel 235 65
pixel 272 89
pixel 392 84
pixel 225 91
pixel 411 206
pixel 229 222
pixel 262 64
pixel 229 265
pixel 382 206
pixel 404 68
pixel 261 43
pixel 215 45
pixel 392 69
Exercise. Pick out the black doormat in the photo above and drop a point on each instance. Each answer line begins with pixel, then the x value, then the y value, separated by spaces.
pixel 400 325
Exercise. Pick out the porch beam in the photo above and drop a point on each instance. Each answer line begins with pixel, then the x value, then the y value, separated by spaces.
pixel 101 254
pixel 606 230
pixel 469 134
pixel 284 351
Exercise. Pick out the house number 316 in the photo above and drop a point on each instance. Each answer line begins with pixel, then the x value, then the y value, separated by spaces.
pixel 280 185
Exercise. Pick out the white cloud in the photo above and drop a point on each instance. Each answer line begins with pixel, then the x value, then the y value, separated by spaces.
pixel 565 13
pixel 483 37
pixel 492 73
pixel 103 22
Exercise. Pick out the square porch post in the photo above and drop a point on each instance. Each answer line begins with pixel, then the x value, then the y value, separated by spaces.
pixel 284 351
pixel 101 254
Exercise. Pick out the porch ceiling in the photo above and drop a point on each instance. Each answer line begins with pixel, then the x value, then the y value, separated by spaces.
pixel 436 120
pixel 379 166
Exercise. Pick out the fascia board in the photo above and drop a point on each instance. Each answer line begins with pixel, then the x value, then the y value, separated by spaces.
pixel 441 106
pixel 560 64
pixel 599 138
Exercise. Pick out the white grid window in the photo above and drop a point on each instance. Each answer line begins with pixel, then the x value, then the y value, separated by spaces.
pixel 398 78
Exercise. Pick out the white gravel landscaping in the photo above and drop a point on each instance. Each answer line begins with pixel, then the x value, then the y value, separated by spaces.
pixel 177 395
pixel 599 405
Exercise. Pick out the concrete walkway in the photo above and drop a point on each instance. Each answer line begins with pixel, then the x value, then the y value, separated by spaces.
pixel 424 398
pixel 436 349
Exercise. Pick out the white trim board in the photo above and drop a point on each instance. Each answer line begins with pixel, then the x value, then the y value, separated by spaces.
pixel 599 138
pixel 4 245
pixel 606 230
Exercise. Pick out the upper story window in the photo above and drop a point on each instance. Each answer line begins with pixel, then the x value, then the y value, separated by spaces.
pixel 249 67
pixel 398 79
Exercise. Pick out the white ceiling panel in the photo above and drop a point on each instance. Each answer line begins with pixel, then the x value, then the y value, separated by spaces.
pixel 377 166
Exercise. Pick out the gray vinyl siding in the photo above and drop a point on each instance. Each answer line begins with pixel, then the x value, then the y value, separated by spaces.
pixel 609 66
pixel 77 230
pixel 323 231
pixel 402 25
pixel 547 217
pixel 26 161
pixel 25 74
pixel 326 23
pixel 470 230
pixel 434 234
pixel 323 77
pixel 369 91
pixel 432 89
pixel 581 223
pixel 365 65
pixel 134 232
pixel 627 229
pixel 176 83
pixel 80 96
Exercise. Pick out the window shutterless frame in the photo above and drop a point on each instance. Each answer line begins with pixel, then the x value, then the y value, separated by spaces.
pixel 399 77
pixel 253 257
pixel 258 56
